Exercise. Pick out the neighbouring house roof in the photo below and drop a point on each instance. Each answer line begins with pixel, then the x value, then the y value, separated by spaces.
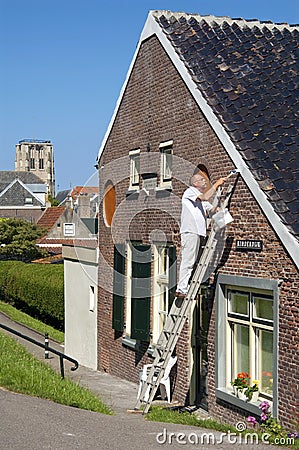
pixel 8 176
pixel 84 190
pixel 244 76
pixel 61 196
pixel 50 217
pixel 74 193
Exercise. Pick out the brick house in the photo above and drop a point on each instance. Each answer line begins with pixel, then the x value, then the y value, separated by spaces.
pixel 218 92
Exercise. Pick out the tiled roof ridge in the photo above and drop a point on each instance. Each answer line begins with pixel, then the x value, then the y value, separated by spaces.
pixel 251 23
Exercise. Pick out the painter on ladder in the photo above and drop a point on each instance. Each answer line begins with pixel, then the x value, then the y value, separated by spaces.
pixel 195 206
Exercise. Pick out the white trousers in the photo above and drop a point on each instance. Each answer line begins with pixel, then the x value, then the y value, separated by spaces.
pixel 190 243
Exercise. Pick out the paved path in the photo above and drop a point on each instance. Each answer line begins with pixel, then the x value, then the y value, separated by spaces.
pixel 33 423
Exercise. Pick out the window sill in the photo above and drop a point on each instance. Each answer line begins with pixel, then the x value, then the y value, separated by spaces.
pixel 131 343
pixel 226 396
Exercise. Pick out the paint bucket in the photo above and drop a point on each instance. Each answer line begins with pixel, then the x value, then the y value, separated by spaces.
pixel 222 217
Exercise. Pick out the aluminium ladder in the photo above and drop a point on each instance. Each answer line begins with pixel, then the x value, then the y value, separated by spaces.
pixel 177 316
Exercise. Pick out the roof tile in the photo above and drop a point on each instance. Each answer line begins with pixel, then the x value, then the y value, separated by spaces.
pixel 248 72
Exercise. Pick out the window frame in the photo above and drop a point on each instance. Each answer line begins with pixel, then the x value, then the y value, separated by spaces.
pixel 166 149
pixel 255 327
pixel 69 229
pixel 223 348
pixel 134 182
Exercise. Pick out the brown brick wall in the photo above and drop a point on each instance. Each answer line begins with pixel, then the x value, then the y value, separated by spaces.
pixel 157 107
pixel 31 215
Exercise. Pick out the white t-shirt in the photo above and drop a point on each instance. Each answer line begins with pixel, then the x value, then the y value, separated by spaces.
pixel 193 217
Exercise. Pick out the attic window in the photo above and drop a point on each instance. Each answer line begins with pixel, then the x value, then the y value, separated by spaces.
pixel 28 201
pixel 134 168
pixel 109 204
pixel 166 163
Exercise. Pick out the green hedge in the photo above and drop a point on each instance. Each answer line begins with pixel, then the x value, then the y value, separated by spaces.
pixel 37 289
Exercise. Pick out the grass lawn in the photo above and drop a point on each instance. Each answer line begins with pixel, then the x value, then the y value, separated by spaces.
pixel 21 372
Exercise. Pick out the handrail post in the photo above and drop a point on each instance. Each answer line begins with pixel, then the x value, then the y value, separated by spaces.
pixel 46 346
pixel 61 366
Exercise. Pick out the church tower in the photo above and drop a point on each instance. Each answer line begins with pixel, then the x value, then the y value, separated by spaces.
pixel 37 156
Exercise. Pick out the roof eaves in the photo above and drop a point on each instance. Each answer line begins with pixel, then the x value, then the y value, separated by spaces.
pixel 241 22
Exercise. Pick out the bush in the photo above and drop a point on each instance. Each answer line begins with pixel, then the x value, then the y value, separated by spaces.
pixel 18 240
pixel 37 289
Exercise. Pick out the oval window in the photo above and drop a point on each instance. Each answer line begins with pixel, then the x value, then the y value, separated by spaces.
pixel 109 205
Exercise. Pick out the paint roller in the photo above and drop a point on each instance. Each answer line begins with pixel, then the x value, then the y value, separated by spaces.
pixel 233 172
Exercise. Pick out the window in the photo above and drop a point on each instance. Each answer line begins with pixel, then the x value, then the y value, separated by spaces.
pixel 164 285
pixel 69 229
pixel 41 157
pixel 28 201
pixel 91 298
pixel 250 336
pixel 109 204
pixel 247 335
pixel 166 163
pixel 134 168
pixel 32 157
pixel 132 282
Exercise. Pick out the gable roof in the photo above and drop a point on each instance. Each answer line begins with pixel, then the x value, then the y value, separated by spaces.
pixel 50 217
pixel 244 76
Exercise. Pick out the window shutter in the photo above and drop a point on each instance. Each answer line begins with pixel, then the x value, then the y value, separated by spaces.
pixel 172 279
pixel 118 287
pixel 141 292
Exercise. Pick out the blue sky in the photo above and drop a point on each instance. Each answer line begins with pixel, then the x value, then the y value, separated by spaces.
pixel 63 63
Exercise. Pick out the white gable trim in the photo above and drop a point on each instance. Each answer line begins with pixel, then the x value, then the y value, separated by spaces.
pixel 152 28
pixel 17 180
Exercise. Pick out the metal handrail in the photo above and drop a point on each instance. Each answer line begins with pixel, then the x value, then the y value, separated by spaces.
pixel 61 355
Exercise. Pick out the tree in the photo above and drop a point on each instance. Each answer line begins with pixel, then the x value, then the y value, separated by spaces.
pixel 53 200
pixel 18 240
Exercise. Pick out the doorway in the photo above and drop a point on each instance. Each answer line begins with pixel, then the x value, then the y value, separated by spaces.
pixel 202 315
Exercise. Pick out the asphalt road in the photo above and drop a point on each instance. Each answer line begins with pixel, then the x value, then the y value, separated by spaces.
pixel 37 424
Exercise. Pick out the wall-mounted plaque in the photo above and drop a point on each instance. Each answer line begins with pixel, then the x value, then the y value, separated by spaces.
pixel 249 245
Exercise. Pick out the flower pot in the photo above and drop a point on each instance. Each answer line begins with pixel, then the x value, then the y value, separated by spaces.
pixel 255 396
pixel 241 394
